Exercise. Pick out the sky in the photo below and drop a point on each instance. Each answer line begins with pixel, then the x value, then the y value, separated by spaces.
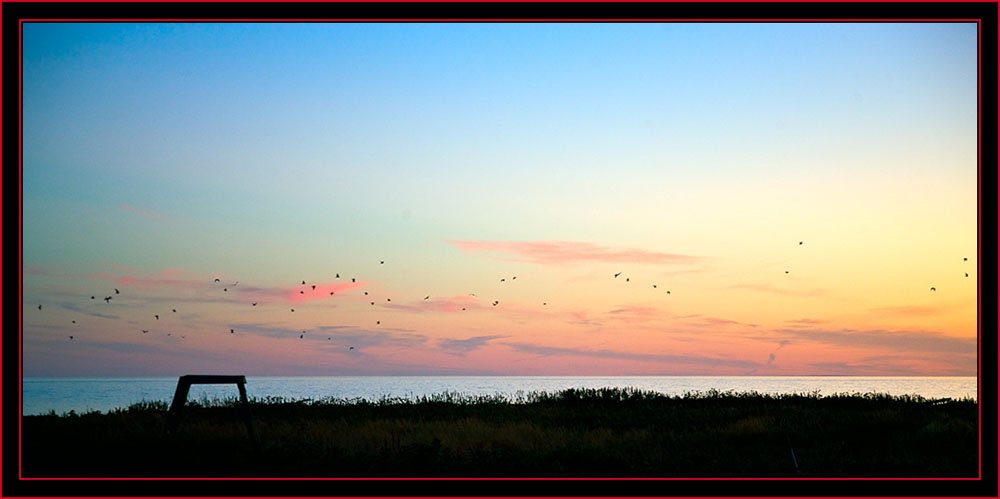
pixel 580 199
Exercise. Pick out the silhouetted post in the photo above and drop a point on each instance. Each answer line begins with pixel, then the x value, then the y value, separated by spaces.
pixel 184 385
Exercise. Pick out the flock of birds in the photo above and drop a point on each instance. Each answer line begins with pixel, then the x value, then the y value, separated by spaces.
pixel 225 289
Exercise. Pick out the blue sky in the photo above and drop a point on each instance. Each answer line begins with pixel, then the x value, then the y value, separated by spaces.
pixel 272 151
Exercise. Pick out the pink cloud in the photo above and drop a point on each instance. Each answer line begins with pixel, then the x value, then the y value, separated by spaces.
pixel 632 313
pixel 561 252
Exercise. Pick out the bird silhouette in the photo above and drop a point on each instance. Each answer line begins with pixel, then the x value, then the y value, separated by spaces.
pixel 366 293
pixel 512 278
pixel 965 259
pixel 618 274
pixel 91 297
pixel 253 304
pixel 39 307
pixel 463 308
pixel 174 309
pixel 966 275
pixel 71 337
pixel 786 271
pixel 544 303
pixel 217 279
pixel 388 299
pixel 472 294
pixel 353 280
pixel 225 289
pixel 117 292
pixel 654 286
pixel 331 293
pixel 74 322
pixel 800 243
pixel 302 292
pixel 338 276
pixel 426 297
pixel 314 286
pixel 502 280
pixel 495 303
pixel 668 292
pixel 373 303
pixel 352 348
pixel 107 299
pixel 293 310
pixel 933 288
pixel 302 336
pixel 381 262
pixel 144 331
pixel 626 279
pixel 157 317
pixel 303 282
pixel 232 332
pixel 378 322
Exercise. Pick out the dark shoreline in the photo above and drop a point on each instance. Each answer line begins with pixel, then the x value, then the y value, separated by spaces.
pixel 574 433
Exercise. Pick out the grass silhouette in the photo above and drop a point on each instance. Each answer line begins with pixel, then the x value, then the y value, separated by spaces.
pixel 610 432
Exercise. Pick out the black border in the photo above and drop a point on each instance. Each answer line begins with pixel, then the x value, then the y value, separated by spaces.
pixel 12 12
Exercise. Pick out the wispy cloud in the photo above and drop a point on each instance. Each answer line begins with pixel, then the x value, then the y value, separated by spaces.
pixel 924 341
pixel 806 322
pixel 34 270
pixel 633 313
pixel 909 310
pixel 563 252
pixel 462 347
pixel 438 304
pixel 612 354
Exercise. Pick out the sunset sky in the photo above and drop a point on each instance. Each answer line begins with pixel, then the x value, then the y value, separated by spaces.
pixel 797 188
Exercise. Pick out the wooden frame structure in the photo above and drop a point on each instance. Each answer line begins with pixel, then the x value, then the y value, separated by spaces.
pixel 183 387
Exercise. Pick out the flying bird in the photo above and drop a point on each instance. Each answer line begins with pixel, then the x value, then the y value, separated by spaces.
pixel 800 243
pixel 144 331
pixel 502 280
pixel 381 262
pixel 366 293
pixel 654 286
pixel 338 276
pixel 253 304
pixel 512 278
pixel 966 275
pixel 232 332
pixel 353 280
pixel 618 274
pixel 426 297
pixel 302 292
pixel 301 336
pixel 39 307
pixel 378 322
pixel 965 259
pixel 352 348
pixel 544 303
pixel 786 271
pixel 157 317
pixel 303 282
pixel 174 309
pixel 331 293
pixel 71 337
pixel 373 303
pixel 217 279
pixel 388 299
pixel 668 292
pixel 293 310
pixel 472 294
pixel 91 297
pixel 314 286
pixel 117 292
pixel 74 322
pixel 933 288
pixel 107 299
pixel 496 302
pixel 626 279
pixel 225 289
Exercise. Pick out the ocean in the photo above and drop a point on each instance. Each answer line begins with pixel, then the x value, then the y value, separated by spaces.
pixel 41 395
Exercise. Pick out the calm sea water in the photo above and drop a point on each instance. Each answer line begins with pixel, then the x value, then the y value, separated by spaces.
pixel 40 395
